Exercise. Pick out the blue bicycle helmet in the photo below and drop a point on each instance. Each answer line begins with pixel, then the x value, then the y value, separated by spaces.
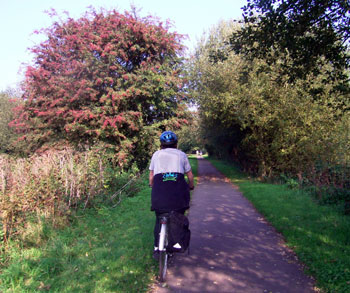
pixel 168 138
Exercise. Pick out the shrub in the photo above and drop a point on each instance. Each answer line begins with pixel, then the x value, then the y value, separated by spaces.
pixel 110 77
pixel 7 135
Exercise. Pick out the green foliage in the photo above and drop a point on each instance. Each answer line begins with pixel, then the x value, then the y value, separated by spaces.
pixel 251 112
pixel 189 135
pixel 209 82
pixel 7 134
pixel 319 235
pixel 312 33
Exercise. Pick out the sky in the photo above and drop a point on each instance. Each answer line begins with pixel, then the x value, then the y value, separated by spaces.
pixel 20 18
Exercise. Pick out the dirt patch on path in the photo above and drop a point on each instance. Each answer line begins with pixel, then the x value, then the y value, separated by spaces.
pixel 232 249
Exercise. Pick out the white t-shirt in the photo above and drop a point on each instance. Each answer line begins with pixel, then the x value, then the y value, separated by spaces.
pixel 169 160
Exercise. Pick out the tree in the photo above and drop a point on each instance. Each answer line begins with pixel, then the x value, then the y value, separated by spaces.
pixel 261 119
pixel 104 77
pixel 209 81
pixel 189 135
pixel 312 33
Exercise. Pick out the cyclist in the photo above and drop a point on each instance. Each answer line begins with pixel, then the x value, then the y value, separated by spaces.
pixel 170 191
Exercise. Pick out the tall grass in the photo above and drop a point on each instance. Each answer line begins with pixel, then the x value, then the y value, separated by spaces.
pixel 51 184
pixel 320 235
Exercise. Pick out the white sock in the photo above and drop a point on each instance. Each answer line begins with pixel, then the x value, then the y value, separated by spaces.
pixel 177 245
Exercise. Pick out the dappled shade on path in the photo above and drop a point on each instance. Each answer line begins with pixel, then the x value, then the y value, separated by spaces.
pixel 232 248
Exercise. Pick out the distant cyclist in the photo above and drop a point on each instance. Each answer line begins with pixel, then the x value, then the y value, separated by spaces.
pixel 170 191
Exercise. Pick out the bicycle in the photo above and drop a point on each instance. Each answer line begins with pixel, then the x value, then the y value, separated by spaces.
pixel 162 247
pixel 175 240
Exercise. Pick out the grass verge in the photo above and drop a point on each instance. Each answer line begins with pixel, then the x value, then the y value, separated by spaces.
pixel 103 250
pixel 319 235
pixel 194 165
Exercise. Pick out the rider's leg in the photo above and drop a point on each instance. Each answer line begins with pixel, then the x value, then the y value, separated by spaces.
pixel 156 232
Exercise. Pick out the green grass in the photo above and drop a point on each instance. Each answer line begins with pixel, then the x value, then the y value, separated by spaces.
pixel 320 235
pixel 103 250
pixel 194 164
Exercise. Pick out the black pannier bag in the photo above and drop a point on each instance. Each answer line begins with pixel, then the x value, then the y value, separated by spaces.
pixel 179 234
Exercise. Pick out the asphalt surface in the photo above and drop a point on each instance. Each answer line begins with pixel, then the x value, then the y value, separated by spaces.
pixel 233 249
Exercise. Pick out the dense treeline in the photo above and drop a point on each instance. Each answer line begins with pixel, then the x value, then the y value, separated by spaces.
pixel 273 123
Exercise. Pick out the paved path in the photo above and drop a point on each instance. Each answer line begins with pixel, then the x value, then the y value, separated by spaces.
pixel 233 249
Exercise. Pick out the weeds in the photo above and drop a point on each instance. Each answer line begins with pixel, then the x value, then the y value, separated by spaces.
pixel 53 183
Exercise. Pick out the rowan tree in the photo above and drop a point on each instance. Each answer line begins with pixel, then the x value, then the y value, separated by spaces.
pixel 105 77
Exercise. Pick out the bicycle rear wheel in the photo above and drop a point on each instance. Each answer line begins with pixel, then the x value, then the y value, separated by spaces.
pixel 163 265
pixel 163 255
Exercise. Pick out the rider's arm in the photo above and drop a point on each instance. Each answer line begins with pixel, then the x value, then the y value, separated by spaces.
pixel 150 178
pixel 190 179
